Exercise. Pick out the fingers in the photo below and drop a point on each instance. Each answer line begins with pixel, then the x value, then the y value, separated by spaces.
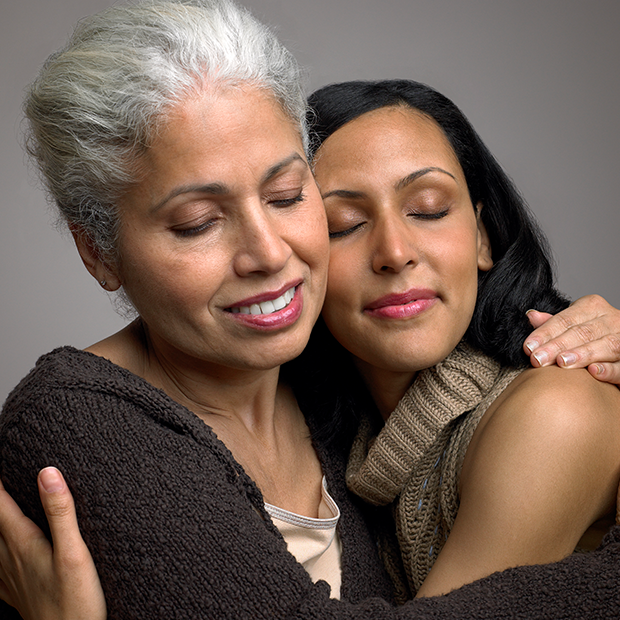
pixel 586 333
pixel 12 520
pixel 20 540
pixel 58 583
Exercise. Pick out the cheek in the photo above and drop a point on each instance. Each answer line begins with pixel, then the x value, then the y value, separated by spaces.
pixel 458 268
pixel 341 299
pixel 160 281
pixel 310 239
pixel 344 280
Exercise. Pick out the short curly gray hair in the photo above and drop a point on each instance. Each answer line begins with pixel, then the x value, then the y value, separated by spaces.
pixel 97 103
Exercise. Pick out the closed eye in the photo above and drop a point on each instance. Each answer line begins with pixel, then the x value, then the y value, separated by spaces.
pixel 288 202
pixel 344 233
pixel 429 216
pixel 195 230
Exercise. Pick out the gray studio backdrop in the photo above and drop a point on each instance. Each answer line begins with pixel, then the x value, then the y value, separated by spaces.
pixel 538 79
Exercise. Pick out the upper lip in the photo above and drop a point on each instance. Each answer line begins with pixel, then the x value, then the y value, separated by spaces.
pixel 400 299
pixel 267 296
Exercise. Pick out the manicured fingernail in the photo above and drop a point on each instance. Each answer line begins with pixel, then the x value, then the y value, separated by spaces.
pixel 568 359
pixel 530 310
pixel 542 357
pixel 51 480
pixel 530 345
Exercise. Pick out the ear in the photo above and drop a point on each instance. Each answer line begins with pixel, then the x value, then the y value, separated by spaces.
pixel 485 261
pixel 91 257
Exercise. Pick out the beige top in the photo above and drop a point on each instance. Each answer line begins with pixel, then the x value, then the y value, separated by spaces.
pixel 314 543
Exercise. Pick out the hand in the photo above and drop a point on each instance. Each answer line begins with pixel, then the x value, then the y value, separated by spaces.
pixel 587 334
pixel 45 583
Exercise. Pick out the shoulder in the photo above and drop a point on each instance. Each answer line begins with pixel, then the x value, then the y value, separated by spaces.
pixel 69 395
pixel 543 465
pixel 65 370
pixel 557 431
pixel 556 404
pixel 553 400
pixel 58 369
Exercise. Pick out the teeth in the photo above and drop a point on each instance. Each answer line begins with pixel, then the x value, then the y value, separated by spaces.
pixel 267 307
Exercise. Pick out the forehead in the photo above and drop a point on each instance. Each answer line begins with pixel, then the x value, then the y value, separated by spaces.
pixel 225 116
pixel 226 136
pixel 218 129
pixel 395 135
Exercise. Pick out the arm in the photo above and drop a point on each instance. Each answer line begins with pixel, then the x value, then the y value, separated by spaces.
pixel 587 334
pixel 45 582
pixel 543 465
pixel 533 592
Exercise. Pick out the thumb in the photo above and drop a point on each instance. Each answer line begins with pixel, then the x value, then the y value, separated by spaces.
pixel 60 510
pixel 537 318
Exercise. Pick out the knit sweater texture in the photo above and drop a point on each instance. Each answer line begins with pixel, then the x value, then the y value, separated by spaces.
pixel 415 459
pixel 178 530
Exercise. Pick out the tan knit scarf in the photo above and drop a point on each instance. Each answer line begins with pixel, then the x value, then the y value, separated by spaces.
pixel 416 458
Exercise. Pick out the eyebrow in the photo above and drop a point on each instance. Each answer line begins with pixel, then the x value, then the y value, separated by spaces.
pixel 410 178
pixel 414 176
pixel 219 189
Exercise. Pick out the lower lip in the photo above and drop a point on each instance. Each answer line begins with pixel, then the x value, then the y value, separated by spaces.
pixel 276 320
pixel 404 311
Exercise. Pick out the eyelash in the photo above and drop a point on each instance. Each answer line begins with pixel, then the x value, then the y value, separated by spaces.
pixel 429 216
pixel 344 233
pixel 196 230
pixel 289 202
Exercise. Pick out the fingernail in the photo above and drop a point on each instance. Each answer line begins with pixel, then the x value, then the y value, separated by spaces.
pixel 51 480
pixel 530 345
pixel 599 369
pixel 568 359
pixel 530 310
pixel 542 357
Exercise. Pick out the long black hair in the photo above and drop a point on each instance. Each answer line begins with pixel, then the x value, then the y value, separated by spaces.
pixel 522 274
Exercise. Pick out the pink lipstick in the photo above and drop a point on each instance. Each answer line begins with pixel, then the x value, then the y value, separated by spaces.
pixel 402 305
pixel 270 311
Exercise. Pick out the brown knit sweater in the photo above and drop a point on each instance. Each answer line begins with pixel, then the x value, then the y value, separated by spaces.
pixel 416 458
pixel 178 530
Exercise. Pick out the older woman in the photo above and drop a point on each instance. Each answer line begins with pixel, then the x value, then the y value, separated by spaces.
pixel 171 136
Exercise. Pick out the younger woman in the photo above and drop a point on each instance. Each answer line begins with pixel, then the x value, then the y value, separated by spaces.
pixel 434 262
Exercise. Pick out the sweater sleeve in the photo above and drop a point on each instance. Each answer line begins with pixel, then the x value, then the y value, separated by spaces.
pixel 582 586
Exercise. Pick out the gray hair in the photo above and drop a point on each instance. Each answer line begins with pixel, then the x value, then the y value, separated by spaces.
pixel 98 102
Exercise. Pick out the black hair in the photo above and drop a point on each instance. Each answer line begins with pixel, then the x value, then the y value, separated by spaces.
pixel 522 274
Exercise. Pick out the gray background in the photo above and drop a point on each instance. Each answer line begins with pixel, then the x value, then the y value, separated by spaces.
pixel 538 79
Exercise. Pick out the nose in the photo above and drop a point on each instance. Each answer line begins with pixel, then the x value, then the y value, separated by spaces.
pixel 394 247
pixel 261 246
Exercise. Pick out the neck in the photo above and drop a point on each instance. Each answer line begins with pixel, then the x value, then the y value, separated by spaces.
pixel 208 390
pixel 385 386
pixel 211 390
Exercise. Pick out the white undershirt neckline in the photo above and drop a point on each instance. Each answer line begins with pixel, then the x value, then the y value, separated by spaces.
pixel 314 542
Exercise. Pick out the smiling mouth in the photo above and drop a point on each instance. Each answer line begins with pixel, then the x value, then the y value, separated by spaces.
pixel 267 307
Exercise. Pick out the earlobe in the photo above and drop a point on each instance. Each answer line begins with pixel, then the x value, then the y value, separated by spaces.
pixel 485 259
pixel 97 267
